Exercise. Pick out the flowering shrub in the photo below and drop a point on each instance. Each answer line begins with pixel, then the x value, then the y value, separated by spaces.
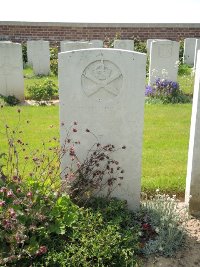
pixel 98 172
pixel 166 91
pixel 29 219
pixel 42 92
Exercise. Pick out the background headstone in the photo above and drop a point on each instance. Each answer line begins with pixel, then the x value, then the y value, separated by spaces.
pixel 124 44
pixel 69 46
pixel 164 60
pixel 193 167
pixel 61 44
pixel 29 53
pixel 149 41
pixel 103 90
pixel 97 43
pixel 11 70
pixel 189 51
pixel 40 57
pixel 197 47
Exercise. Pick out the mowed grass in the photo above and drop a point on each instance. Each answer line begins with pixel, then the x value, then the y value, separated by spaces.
pixel 165 140
pixel 165 147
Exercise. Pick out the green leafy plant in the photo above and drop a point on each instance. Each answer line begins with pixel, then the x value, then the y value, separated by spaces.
pixel 24 53
pixel 54 60
pixel 10 100
pixel 106 234
pixel 181 51
pixel 184 69
pixel 42 92
pixel 139 45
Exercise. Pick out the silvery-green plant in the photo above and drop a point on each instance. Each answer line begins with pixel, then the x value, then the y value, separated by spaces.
pixel 167 221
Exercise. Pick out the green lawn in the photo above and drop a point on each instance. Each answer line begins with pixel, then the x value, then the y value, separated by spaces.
pixel 166 135
pixel 165 146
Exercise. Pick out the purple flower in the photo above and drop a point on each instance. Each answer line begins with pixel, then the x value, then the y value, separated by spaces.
pixel 148 90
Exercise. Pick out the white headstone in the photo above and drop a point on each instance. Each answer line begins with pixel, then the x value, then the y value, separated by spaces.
pixel 97 43
pixel 192 194
pixel 124 44
pixel 164 60
pixel 40 57
pixel 69 46
pixel 29 52
pixel 149 41
pixel 197 47
pixel 189 51
pixel 11 70
pixel 103 90
pixel 61 44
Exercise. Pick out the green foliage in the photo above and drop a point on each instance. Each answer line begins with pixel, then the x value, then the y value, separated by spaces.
pixel 54 60
pixel 181 51
pixel 109 42
pixel 184 69
pixel 10 100
pixel 140 46
pixel 42 92
pixel 29 219
pixel 24 53
pixel 105 234
pixel 165 220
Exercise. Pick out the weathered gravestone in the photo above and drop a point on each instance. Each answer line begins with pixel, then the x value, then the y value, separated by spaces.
pixel 97 43
pixel 103 90
pixel 189 51
pixel 197 47
pixel 11 70
pixel 124 44
pixel 40 57
pixel 69 46
pixel 192 195
pixel 164 59
pixel 149 41
pixel 29 52
pixel 61 44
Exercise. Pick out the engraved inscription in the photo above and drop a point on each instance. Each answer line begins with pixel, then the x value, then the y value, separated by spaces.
pixel 102 80
pixel 165 51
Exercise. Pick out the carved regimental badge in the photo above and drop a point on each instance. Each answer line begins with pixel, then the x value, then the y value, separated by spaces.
pixel 102 80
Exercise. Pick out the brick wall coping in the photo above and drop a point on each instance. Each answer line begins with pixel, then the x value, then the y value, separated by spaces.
pixel 109 25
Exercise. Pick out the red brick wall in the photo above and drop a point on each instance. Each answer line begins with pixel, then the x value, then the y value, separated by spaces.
pixel 55 32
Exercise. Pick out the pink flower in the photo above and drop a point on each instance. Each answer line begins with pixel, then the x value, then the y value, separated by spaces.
pixel 10 193
pixel 19 190
pixel 42 250
pixel 29 194
pixel 12 212
pixel 3 189
pixel 2 203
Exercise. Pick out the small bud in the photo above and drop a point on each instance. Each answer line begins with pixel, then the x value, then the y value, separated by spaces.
pixel 74 130
pixel 87 130
pixel 19 110
pixel 29 194
pixel 124 147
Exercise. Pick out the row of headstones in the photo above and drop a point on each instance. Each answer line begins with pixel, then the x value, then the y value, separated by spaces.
pixel 164 56
pixel 104 91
